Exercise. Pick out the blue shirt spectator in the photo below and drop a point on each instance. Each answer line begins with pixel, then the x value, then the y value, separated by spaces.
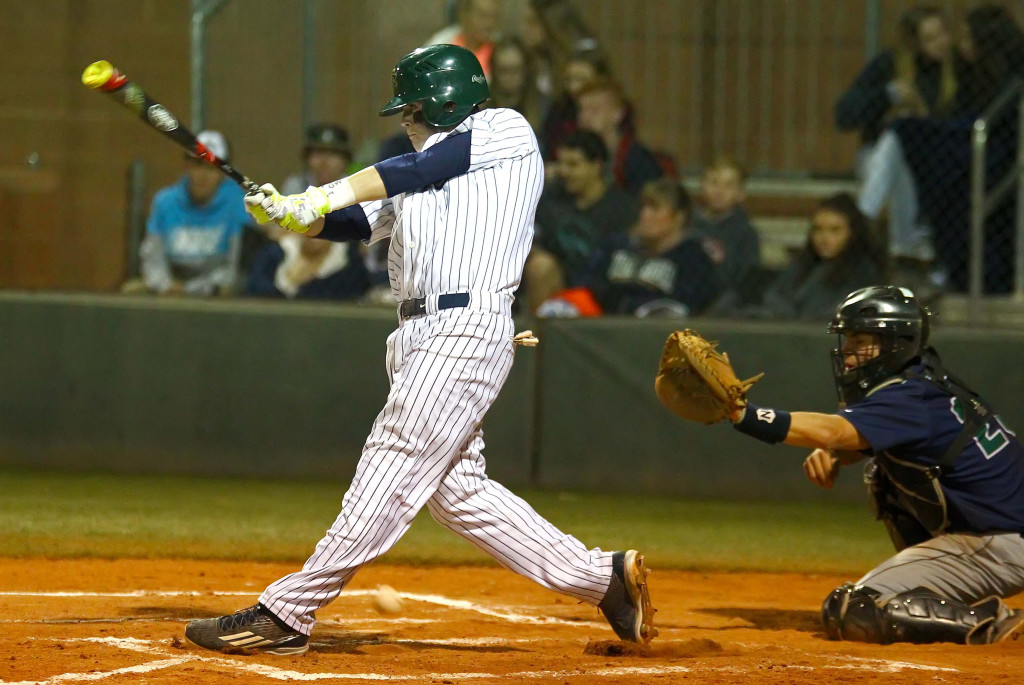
pixel 194 231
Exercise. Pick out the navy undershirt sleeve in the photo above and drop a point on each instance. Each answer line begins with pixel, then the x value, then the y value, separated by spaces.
pixel 447 159
pixel 348 223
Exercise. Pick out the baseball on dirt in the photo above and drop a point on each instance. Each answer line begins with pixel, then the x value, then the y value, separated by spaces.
pixel 386 600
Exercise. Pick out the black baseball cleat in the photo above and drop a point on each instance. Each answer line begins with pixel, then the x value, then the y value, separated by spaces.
pixel 627 603
pixel 254 628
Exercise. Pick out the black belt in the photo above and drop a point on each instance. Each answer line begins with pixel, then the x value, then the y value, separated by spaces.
pixel 418 305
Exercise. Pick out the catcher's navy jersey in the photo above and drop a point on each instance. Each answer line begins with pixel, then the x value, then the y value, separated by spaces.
pixel 915 420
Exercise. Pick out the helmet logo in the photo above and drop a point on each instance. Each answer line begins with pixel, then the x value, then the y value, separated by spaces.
pixel 478 79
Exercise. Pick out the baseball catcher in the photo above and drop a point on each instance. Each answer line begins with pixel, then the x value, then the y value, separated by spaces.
pixel 945 474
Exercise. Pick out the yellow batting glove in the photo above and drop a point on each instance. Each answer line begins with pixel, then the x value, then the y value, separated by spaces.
pixel 255 202
pixel 298 212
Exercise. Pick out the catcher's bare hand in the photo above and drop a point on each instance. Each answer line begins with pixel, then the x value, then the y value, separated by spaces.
pixel 821 468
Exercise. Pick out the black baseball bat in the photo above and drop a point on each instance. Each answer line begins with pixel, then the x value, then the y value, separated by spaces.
pixel 104 76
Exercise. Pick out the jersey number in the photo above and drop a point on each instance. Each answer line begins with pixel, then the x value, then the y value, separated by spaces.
pixel 989 438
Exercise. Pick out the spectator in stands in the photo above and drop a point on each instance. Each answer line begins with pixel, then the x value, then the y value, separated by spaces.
pixel 840 256
pixel 326 157
pixel 513 83
pixel 938 151
pixel 584 65
pixel 537 43
pixel 551 31
pixel 723 226
pixel 475 29
pixel 918 78
pixel 604 109
pixel 577 211
pixel 194 231
pixel 297 267
pixel 658 268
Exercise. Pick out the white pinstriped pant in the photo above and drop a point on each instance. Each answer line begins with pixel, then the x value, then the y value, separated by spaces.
pixel 425 448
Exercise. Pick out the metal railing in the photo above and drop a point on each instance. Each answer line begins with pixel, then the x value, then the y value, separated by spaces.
pixel 983 203
pixel 202 11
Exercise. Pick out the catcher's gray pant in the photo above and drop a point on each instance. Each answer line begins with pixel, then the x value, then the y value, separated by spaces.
pixel 964 567
pixel 425 448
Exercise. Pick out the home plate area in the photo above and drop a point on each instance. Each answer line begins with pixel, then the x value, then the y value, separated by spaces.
pixel 122 621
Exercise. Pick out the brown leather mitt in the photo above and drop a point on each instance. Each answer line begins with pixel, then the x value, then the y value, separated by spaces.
pixel 696 381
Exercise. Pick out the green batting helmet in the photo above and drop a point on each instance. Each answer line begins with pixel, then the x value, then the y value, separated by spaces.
pixel 447 79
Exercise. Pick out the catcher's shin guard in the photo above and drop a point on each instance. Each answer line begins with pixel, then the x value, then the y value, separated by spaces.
pixel 627 602
pixel 919 616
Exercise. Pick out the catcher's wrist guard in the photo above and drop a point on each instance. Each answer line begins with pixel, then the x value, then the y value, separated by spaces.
pixel 767 425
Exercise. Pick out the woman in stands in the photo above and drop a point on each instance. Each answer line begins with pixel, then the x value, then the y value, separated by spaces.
pixel 938 151
pixel 840 256
pixel 918 78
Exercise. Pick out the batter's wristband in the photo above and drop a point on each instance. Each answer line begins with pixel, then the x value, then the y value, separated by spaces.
pixel 767 425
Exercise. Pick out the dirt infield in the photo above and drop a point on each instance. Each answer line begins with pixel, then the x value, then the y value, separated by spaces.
pixel 121 622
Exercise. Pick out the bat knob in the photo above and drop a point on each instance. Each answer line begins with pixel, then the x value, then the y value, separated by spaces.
pixel 97 74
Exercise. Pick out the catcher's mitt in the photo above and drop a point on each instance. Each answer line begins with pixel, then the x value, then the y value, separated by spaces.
pixel 696 381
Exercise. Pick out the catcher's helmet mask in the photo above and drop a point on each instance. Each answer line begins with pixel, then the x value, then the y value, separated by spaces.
pixel 446 79
pixel 901 324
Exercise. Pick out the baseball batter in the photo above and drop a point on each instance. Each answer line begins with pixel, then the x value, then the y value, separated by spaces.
pixel 946 475
pixel 459 213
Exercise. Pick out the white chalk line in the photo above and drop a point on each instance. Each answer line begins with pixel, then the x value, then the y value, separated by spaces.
pixel 100 675
pixel 504 613
pixel 146 647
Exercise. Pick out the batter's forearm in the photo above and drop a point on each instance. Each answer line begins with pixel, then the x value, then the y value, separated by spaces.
pixel 367 185
pixel 362 186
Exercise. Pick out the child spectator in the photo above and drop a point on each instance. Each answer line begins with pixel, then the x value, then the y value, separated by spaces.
pixel 194 231
pixel 723 226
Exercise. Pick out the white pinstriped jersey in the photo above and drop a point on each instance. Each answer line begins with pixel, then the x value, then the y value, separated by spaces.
pixel 469 234
pixel 473 233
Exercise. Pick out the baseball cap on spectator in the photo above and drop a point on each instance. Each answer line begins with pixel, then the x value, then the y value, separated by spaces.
pixel 327 137
pixel 216 142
